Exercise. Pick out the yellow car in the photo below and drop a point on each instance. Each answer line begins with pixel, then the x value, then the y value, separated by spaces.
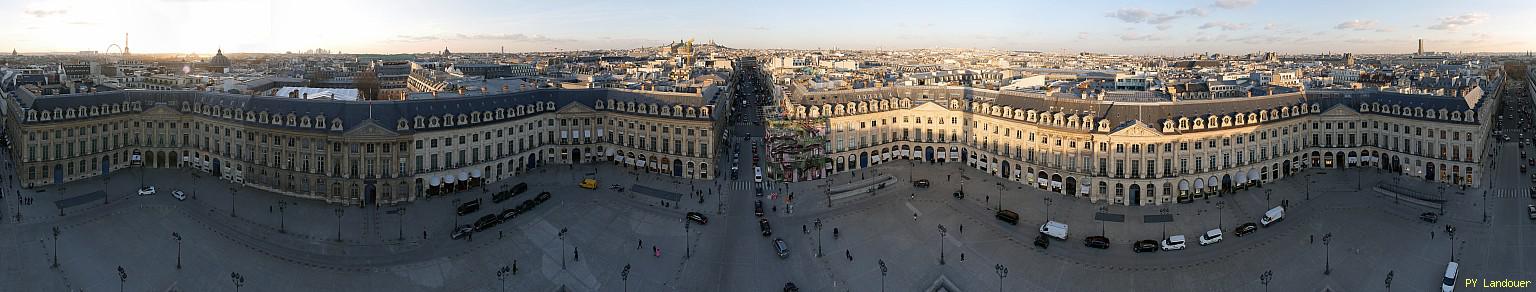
pixel 590 184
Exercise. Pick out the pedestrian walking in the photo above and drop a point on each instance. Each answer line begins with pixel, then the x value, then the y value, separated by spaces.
pixel 514 267
pixel 962 228
pixel 914 216
pixel 1310 239
pixel 962 256
pixel 849 254
pixel 576 253
pixel 639 243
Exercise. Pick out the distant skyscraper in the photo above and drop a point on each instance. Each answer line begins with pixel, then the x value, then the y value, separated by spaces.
pixel 1421 46
pixel 125 44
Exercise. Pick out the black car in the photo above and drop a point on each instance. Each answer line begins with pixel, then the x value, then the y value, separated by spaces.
pixel 462 232
pixel 508 214
pixel 959 194
pixel 526 205
pixel 1430 217
pixel 763 224
pixel 1042 241
pixel 757 208
pixel 544 196
pixel 1145 246
pixel 469 207
pixel 501 196
pixel 486 221
pixel 1098 242
pixel 697 217
pixel 519 188
pixel 922 183
pixel 790 287
pixel 1245 229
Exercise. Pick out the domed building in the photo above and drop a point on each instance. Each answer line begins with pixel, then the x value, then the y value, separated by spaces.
pixel 219 63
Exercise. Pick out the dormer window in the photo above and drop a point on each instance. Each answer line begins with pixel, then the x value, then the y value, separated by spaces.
pixel 336 124
pixel 401 125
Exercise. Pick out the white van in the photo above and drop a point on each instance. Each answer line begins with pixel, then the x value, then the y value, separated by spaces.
pixel 1272 215
pixel 1054 229
pixel 757 174
pixel 1449 283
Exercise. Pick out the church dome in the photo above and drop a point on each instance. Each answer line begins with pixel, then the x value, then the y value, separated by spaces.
pixel 219 62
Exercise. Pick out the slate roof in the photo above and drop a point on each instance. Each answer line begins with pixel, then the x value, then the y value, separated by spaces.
pixel 354 113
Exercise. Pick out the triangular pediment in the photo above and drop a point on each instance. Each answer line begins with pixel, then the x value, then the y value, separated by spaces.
pixel 930 106
pixel 1340 110
pixel 575 107
pixel 369 129
pixel 1136 129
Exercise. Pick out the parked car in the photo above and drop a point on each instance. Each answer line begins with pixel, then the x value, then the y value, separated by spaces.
pixel 1211 237
pixel 1042 241
pixel 526 206
pixel 180 196
pixel 519 188
pixel 469 207
pixel 498 197
pixel 780 247
pixel 697 217
pixel 544 196
pixel 147 190
pixel 790 287
pixel 1146 245
pixel 922 183
pixel 590 184
pixel 508 214
pixel 1098 242
pixel 1008 216
pixel 1175 242
pixel 763 224
pixel 486 221
pixel 1532 210
pixel 463 231
pixel 1245 229
pixel 1430 217
pixel 757 208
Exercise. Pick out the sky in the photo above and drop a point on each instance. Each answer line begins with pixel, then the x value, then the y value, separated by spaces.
pixel 1174 27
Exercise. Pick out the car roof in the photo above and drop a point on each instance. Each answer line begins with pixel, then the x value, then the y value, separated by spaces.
pixel 1176 237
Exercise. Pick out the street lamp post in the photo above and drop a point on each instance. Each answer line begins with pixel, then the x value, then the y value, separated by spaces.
pixel 1265 277
pixel 999 196
pixel 339 211
pixel 1219 207
pixel 1164 211
pixel 942 232
pixel 237 279
pixel 177 237
pixel 55 247
pixel 625 277
pixel 1047 209
pixel 1327 262
pixel 122 278
pixel 562 247
pixel 687 236
pixel 282 216
pixel 818 237
pixel 401 211
pixel 1002 272
pixel 882 275
pixel 501 274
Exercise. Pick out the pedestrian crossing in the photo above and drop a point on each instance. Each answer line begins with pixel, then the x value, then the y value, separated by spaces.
pixel 746 185
pixel 1509 193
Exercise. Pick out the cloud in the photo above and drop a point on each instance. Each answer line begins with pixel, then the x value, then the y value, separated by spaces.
pixel 1228 26
pixel 1356 24
pixel 1164 26
pixel 1234 4
pixel 1133 36
pixel 1453 23
pixel 759 28
pixel 1082 35
pixel 407 38
pixel 1190 12
pixel 1138 15
pixel 1271 26
pixel 515 37
pixel 45 12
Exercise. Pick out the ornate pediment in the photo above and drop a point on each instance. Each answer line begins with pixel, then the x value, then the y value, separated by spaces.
pixel 1340 110
pixel 575 107
pixel 930 106
pixel 370 129
pixel 1136 129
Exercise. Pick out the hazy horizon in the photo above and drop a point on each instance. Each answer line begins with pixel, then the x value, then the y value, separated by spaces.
pixel 1102 26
